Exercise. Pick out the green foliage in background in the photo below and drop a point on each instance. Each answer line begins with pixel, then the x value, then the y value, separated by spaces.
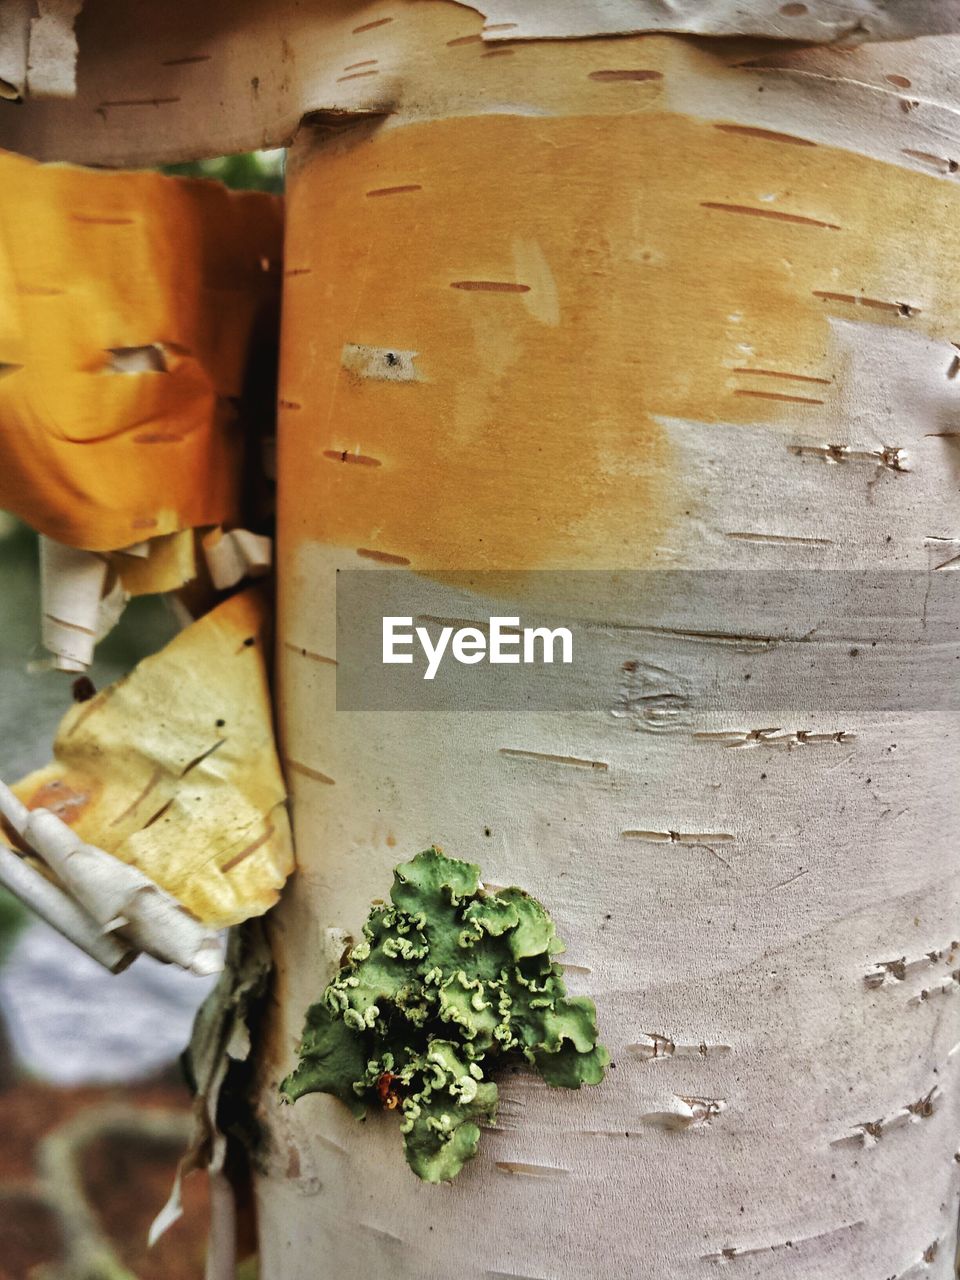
pixel 449 983
pixel 250 171
pixel 12 918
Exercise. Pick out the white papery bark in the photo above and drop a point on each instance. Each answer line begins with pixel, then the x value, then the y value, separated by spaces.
pixel 154 86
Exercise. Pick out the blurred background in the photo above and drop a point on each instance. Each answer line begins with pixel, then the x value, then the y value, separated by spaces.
pixel 93 1109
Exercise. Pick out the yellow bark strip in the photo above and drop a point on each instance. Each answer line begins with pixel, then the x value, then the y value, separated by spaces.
pixel 127 306
pixel 518 290
pixel 173 769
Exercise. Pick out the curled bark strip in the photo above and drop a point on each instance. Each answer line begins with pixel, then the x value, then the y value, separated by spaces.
pixel 60 911
pixel 114 896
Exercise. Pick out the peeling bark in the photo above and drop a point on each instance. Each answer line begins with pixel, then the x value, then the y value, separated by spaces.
pixel 152 87
pixel 120 406
pixel 173 770
pixel 647 302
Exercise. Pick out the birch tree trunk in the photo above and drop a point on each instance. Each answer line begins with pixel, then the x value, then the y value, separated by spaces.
pixel 661 305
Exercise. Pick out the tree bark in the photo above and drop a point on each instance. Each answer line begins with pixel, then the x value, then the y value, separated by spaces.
pixel 668 305
pixel 656 303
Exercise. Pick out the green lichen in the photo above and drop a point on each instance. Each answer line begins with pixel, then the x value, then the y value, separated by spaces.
pixel 449 983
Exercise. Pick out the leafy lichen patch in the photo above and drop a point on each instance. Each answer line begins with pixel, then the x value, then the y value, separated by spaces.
pixel 449 982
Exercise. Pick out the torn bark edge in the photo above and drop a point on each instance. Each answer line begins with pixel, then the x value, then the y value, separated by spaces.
pixel 14 37
pixel 72 583
pixel 219 1047
pixel 78 609
pixel 51 70
pixel 846 23
pixel 235 555
pixel 121 904
pixel 84 593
